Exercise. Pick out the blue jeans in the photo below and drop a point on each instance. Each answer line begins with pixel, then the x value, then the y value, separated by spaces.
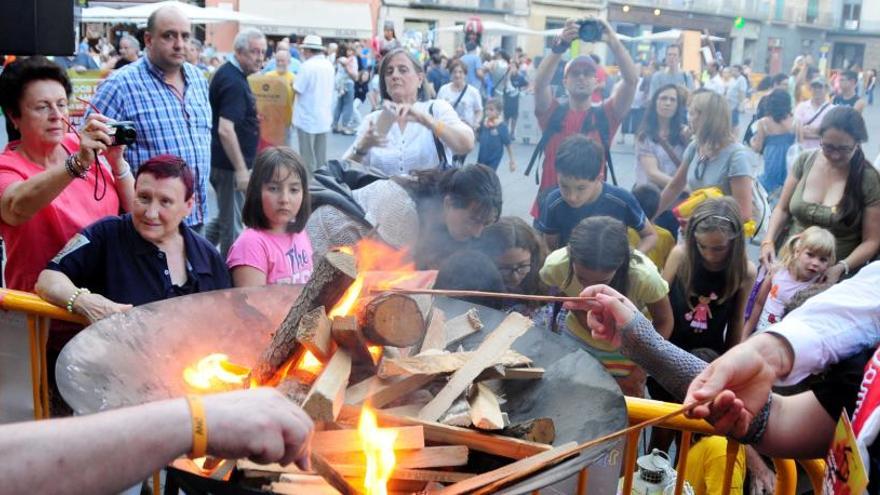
pixel 345 106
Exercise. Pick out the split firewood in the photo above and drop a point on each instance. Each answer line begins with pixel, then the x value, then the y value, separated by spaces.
pixel 541 430
pixel 293 389
pixel 330 442
pixel 347 334
pixel 328 392
pixel 489 351
pixel 438 363
pixel 457 414
pixel 489 443
pixel 314 334
pixel 411 410
pixel 462 325
pixel 378 392
pixel 435 335
pixel 331 475
pixel 359 470
pixel 484 410
pixel 428 457
pixel 331 277
pixel 303 484
pixel 504 373
pixel 393 320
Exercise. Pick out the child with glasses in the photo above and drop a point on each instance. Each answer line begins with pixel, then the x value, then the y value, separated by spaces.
pixel 518 252
pixel 598 252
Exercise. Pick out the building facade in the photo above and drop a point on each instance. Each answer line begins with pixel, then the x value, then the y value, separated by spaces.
pixel 856 35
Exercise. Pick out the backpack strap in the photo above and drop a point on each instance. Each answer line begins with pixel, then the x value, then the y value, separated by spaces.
pixel 554 125
pixel 597 119
pixel 438 145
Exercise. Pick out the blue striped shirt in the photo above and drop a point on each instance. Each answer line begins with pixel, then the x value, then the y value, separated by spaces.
pixel 166 122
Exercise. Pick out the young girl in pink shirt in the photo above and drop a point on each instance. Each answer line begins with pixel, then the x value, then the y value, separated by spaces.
pixel 275 248
pixel 803 260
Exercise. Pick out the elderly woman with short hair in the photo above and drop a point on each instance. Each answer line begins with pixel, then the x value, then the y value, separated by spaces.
pixel 416 130
pixel 133 259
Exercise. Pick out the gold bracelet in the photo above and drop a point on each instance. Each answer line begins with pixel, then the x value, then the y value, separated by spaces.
pixel 199 426
pixel 438 128
pixel 766 242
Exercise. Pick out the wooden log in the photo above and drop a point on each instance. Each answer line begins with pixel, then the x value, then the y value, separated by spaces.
pixel 504 373
pixel 484 479
pixel 347 333
pixel 428 457
pixel 435 335
pixel 328 392
pixel 484 409
pixel 489 351
pixel 461 326
pixel 393 320
pixel 541 430
pixel 359 470
pixel 331 442
pixel 512 448
pixel 378 392
pixel 438 363
pixel 331 277
pixel 314 334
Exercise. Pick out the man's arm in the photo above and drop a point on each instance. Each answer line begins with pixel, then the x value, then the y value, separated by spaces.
pixel 130 443
pixel 545 71
pixel 229 142
pixel 624 93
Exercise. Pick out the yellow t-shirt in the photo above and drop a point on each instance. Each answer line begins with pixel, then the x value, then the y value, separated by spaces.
pixel 661 250
pixel 288 79
pixel 646 286
pixel 705 467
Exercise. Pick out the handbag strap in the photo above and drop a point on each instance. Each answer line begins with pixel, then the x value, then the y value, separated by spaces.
pixel 818 113
pixel 460 96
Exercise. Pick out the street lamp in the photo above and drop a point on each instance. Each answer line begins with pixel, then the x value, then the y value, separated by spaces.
pixel 626 8
pixel 657 12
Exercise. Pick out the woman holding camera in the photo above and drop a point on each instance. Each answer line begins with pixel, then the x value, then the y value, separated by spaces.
pixel 50 187
pixel 408 134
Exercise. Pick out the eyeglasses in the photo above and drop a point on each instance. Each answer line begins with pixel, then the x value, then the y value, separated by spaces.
pixel 843 150
pixel 522 269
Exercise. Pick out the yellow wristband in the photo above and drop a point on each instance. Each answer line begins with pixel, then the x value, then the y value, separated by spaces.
pixel 199 426
pixel 438 128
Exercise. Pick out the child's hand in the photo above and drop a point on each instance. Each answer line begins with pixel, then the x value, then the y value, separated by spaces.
pixel 512 165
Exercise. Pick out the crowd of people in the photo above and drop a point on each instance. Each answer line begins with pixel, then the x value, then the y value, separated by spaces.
pixel 98 225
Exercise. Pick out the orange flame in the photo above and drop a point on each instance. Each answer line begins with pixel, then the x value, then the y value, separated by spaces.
pixel 310 364
pixel 215 372
pixel 373 256
pixel 378 447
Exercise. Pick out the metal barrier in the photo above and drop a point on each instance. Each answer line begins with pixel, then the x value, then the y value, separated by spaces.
pixel 40 313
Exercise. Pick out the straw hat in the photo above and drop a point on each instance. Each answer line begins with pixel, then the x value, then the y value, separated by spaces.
pixel 312 42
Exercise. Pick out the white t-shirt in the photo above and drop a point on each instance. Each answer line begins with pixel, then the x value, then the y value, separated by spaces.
pixel 313 111
pixel 410 149
pixel 470 103
pixel 833 325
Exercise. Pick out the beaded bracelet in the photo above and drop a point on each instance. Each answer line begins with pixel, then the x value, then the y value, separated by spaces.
pixel 74 296
pixel 758 426
pixel 74 167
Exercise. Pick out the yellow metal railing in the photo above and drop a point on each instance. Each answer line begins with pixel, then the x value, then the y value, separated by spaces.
pixel 40 313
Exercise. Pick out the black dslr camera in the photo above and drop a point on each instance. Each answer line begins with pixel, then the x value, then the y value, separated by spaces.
pixel 122 132
pixel 590 30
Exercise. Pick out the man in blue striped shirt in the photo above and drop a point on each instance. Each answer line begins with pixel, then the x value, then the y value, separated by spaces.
pixel 167 99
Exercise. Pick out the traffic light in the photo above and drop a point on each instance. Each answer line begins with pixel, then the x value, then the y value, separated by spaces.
pixel 739 22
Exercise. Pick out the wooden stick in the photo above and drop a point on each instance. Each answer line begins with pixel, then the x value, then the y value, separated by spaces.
pixel 328 392
pixel 435 335
pixel 433 364
pixel 359 470
pixel 499 445
pixel 378 392
pixel 492 348
pixel 322 467
pixel 476 293
pixel 483 407
pixel 428 457
pixel 330 442
pixel 460 327
pixel 493 480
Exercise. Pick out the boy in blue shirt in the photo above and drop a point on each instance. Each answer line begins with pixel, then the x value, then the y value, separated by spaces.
pixel 582 193
pixel 494 136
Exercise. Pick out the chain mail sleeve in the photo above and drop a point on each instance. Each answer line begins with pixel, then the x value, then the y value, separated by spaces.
pixel 670 365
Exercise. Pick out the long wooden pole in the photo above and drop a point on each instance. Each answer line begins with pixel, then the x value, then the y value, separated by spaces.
pixel 490 481
pixel 477 293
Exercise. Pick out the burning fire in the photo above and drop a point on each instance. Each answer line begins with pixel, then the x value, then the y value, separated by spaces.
pixel 215 372
pixel 310 364
pixel 378 447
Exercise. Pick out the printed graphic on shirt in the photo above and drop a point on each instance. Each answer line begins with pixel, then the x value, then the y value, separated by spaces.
pixel 72 245
pixel 844 470
pixel 300 266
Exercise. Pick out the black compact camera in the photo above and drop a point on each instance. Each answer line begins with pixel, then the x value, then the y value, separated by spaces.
pixel 590 30
pixel 122 132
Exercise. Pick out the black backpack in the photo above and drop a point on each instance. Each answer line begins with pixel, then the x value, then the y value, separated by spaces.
pixel 595 119
pixel 333 184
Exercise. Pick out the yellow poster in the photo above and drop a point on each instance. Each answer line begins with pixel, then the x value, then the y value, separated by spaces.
pixel 84 85
pixel 274 105
pixel 845 472
pixel 690 52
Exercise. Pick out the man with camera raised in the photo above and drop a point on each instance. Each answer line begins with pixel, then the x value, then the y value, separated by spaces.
pixel 577 115
pixel 165 99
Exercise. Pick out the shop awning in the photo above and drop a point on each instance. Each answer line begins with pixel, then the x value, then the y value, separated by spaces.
pixel 336 20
